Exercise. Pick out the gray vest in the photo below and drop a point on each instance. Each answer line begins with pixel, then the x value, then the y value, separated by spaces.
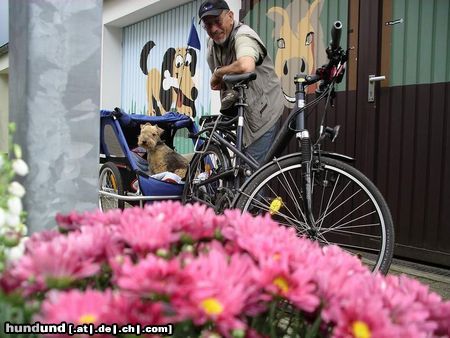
pixel 264 95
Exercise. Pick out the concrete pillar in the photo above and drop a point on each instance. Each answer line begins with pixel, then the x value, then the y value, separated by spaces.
pixel 54 82
pixel 3 112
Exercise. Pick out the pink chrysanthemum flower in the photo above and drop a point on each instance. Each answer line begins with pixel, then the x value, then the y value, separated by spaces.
pixel 151 277
pixel 8 282
pixel 127 309
pixel 199 214
pixel 77 307
pixel 262 238
pixel 144 233
pixel 361 317
pixel 185 220
pixel 75 220
pixel 334 271
pixel 95 242
pixel 219 290
pixel 413 306
pixel 56 263
pixel 40 237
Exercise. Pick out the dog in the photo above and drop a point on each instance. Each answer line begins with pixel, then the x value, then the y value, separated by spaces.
pixel 160 157
pixel 172 87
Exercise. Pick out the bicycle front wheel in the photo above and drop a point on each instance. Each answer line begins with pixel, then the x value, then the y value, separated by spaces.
pixel 347 208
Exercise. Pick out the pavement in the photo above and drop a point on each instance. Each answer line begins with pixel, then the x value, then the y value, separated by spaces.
pixel 438 279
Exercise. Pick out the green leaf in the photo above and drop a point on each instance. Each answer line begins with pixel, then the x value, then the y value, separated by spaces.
pixel 314 329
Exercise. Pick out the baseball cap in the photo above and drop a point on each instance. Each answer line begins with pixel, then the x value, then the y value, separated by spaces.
pixel 212 7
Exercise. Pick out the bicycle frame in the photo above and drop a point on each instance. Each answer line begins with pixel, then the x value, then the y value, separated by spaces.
pixel 284 134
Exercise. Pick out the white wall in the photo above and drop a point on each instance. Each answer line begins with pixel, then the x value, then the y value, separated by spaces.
pixel 4 63
pixel 111 68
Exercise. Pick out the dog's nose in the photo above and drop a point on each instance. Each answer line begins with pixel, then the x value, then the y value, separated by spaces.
pixel 194 93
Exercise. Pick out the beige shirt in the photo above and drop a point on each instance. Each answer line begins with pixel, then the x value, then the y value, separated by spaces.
pixel 246 46
pixel 265 101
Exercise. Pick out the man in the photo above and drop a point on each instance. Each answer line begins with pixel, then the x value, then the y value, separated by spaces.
pixel 235 48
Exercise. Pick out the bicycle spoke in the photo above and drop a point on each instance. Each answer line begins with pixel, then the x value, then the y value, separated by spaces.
pixel 350 246
pixel 338 206
pixel 348 210
pixel 300 211
pixel 322 197
pixel 352 212
pixel 263 207
pixel 331 228
pixel 358 233
pixel 331 202
pixel 285 204
pixel 359 226
pixel 288 189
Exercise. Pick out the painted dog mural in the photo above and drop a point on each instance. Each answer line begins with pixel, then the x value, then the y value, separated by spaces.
pixel 295 34
pixel 171 88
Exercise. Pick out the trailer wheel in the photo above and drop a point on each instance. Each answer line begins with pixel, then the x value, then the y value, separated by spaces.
pixel 110 181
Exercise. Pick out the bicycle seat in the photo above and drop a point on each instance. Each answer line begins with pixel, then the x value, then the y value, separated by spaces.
pixel 225 120
pixel 239 78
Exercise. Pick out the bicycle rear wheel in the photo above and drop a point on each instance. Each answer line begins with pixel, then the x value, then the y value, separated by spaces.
pixel 348 209
pixel 205 167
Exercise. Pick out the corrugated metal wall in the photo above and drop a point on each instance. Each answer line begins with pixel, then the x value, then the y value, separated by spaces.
pixel 416 43
pixel 296 33
pixel 167 30
pixel 412 163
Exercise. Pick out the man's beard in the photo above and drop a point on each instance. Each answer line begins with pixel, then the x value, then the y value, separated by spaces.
pixel 222 41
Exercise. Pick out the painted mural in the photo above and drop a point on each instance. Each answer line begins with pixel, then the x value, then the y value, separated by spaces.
pixel 170 87
pixel 294 35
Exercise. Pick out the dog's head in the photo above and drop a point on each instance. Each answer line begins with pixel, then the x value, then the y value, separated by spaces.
pixel 149 136
pixel 173 86
pixel 178 68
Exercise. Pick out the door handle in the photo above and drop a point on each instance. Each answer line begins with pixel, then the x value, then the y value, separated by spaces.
pixel 372 80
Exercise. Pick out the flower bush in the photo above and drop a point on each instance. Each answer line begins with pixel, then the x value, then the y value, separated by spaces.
pixel 12 216
pixel 210 275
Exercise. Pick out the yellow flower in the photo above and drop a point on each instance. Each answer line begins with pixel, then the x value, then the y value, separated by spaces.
pixel 212 306
pixel 87 319
pixel 361 330
pixel 282 284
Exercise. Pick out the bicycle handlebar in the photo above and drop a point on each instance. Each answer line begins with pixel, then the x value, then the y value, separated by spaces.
pixel 336 31
pixel 336 56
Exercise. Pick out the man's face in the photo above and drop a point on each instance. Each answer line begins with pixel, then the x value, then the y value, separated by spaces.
pixel 219 27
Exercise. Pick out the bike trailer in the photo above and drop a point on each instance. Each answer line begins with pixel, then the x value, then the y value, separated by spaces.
pixel 128 182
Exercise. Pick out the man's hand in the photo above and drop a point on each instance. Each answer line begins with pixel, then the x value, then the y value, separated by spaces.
pixel 244 64
pixel 216 82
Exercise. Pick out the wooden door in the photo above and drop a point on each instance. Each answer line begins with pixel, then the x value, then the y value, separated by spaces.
pixel 403 136
pixel 400 140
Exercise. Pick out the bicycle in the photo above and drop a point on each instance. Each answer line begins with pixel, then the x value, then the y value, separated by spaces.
pixel 316 192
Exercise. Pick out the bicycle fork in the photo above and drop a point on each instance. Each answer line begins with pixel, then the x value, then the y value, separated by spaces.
pixel 302 135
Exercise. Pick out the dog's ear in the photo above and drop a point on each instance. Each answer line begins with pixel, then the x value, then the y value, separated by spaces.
pixel 144 55
pixel 193 64
pixel 167 64
pixel 144 125
pixel 160 130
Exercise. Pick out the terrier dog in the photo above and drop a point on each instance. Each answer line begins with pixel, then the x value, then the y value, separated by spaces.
pixel 160 157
